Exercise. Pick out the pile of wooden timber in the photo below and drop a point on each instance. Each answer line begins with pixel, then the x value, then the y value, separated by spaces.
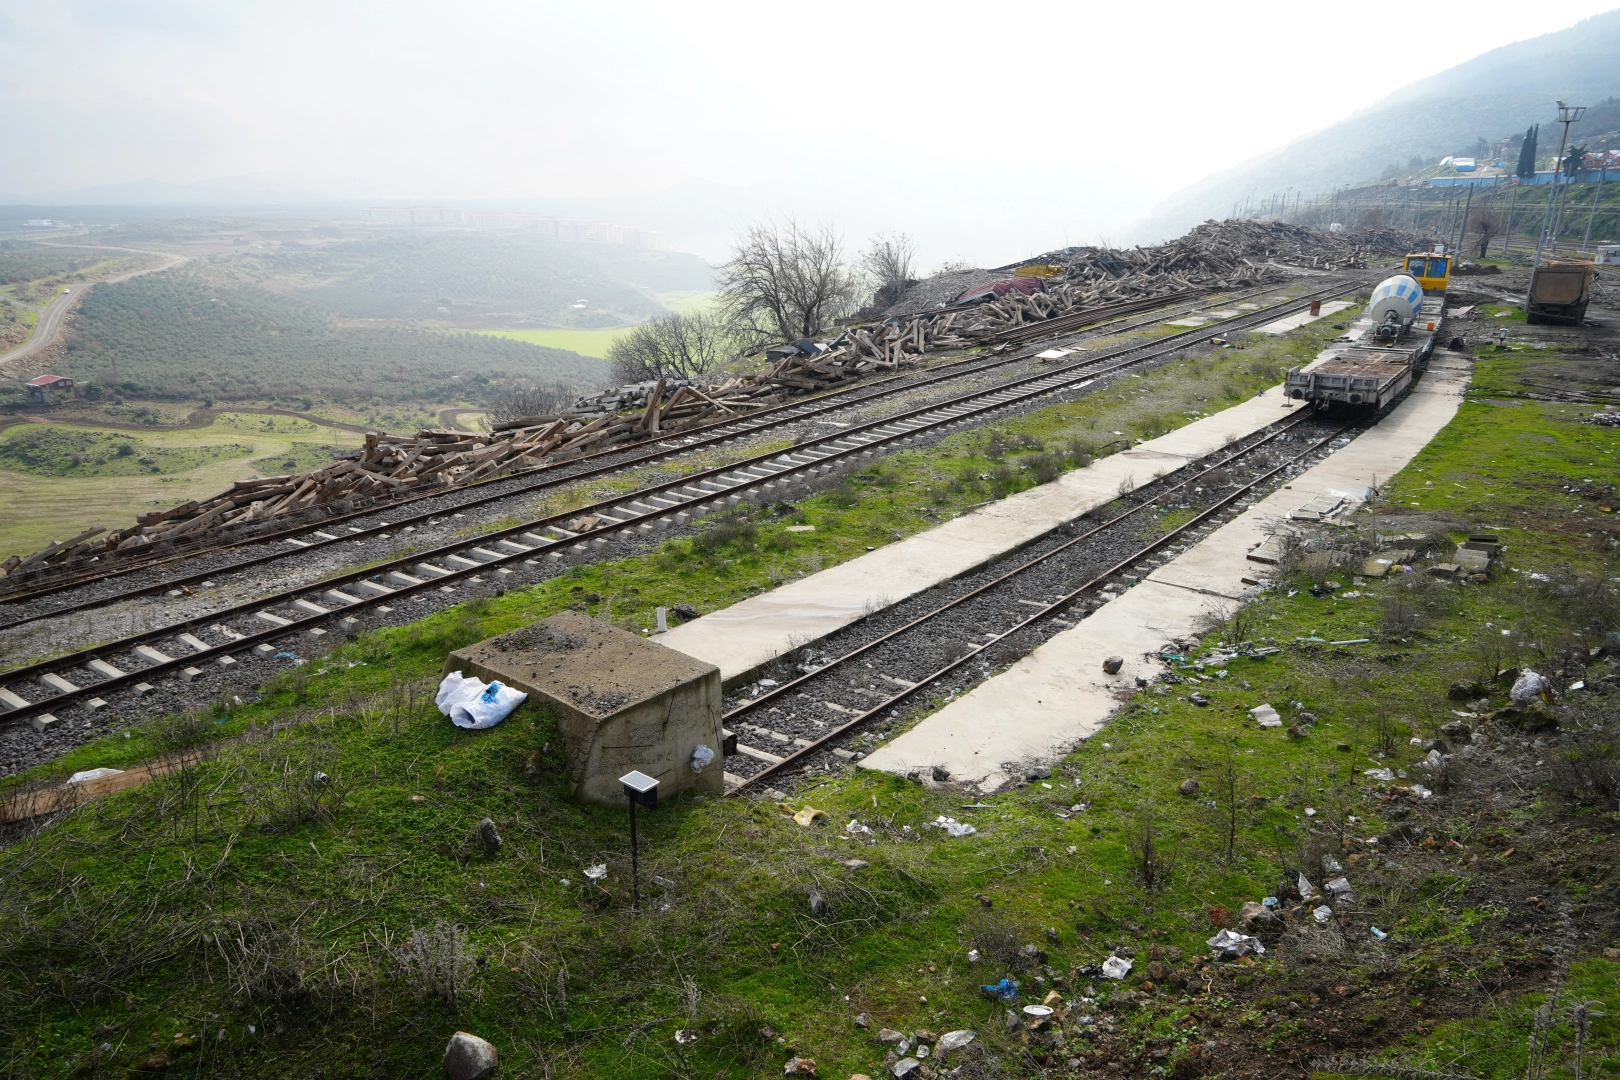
pixel 1214 257
pixel 1225 254
pixel 1065 298
pixel 392 466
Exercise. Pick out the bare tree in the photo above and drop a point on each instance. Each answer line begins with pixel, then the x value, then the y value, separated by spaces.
pixel 786 281
pixel 673 346
pixel 891 258
pixel 523 402
pixel 1151 851
pixel 1485 223
pixel 1230 786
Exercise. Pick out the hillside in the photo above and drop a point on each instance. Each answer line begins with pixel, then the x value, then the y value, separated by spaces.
pixel 274 308
pixel 177 336
pixel 472 279
pixel 1493 95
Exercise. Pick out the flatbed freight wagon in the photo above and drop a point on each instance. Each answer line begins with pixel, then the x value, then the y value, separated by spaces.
pixel 1386 347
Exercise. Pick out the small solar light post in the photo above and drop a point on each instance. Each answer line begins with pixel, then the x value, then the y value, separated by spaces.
pixel 641 790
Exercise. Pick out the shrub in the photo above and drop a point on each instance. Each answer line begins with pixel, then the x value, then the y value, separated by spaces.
pixel 725 532
pixel 843 495
pixel 1045 467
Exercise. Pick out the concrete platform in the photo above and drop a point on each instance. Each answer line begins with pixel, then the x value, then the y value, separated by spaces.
pixel 621 702
pixel 745 637
pixel 1303 318
pixel 1038 710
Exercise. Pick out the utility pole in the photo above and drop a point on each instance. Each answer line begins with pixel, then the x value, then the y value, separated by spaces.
pixel 1462 223
pixel 1507 233
pixel 1567 115
pixel 1588 238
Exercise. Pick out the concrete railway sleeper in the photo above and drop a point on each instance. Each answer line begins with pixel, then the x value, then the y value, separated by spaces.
pixel 797 749
pixel 536 544
pixel 562 473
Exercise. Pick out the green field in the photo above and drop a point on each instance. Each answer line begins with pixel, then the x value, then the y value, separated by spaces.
pixel 45 496
pixel 596 342
pixel 584 342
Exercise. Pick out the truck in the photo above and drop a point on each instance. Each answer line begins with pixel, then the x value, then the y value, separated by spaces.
pixel 1559 293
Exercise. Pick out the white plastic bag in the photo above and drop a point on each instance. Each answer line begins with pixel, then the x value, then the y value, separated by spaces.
pixel 701 758
pixel 471 704
pixel 1116 967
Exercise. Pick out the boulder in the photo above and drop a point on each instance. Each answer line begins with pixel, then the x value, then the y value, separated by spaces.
pixel 469 1058
pixel 1112 665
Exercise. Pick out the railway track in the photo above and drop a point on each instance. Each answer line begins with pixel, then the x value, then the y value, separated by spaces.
pixel 302 538
pixel 199 650
pixel 881 669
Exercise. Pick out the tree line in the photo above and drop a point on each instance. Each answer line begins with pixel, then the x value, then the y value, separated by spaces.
pixel 177 336
pixel 785 281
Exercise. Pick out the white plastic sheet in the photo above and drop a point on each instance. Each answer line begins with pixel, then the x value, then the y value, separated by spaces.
pixel 475 705
pixel 953 827
pixel 1228 943
pixel 1116 967
pixel 92 774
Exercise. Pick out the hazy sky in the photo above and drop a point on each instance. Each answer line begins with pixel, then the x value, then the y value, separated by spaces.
pixel 1063 120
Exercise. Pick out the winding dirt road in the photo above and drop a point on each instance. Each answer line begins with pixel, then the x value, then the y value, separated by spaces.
pixel 50 320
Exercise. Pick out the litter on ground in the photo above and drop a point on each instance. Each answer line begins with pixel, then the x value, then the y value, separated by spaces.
pixel 475 705
pixel 1229 944
pixel 952 826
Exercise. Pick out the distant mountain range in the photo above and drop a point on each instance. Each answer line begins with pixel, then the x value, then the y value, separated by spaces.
pixel 1493 95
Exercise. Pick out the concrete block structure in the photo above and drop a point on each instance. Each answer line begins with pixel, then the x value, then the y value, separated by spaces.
pixel 621 702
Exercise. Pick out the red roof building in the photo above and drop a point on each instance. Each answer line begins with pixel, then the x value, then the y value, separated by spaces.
pixel 46 387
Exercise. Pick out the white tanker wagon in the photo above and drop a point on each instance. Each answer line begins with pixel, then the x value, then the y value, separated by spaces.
pixel 1387 346
pixel 1394 306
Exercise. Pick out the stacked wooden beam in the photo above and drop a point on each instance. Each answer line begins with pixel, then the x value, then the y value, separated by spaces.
pixel 391 466
pixel 1216 256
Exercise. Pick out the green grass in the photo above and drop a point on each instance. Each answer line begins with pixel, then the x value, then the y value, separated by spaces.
pixel 53 499
pixel 1506 460
pixel 246 891
pixel 299 457
pixel 584 342
pixel 42 450
pixel 1496 1043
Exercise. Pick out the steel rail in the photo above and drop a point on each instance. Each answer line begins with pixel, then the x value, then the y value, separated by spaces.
pixel 790 412
pixel 1007 394
pixel 1044 613
pixel 811 408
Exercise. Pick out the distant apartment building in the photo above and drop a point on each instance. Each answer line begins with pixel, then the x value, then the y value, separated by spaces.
pixel 415 215
pixel 597 232
pixel 570 229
